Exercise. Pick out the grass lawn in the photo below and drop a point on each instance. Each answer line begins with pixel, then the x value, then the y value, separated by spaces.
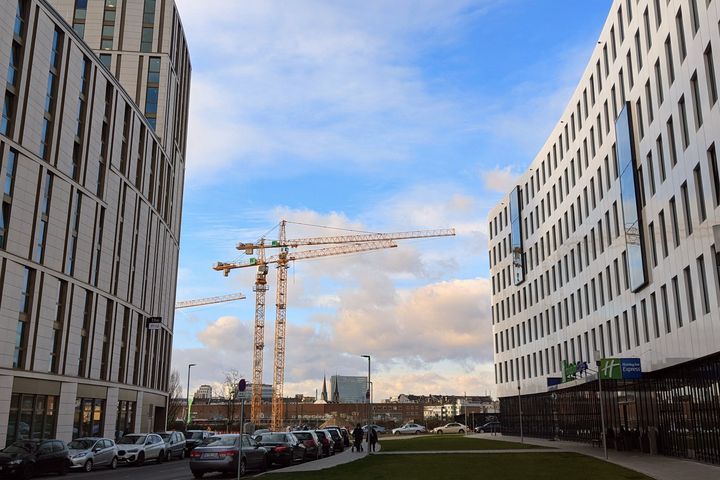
pixel 448 442
pixel 499 466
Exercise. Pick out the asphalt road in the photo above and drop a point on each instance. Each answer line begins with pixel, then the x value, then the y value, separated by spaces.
pixel 174 470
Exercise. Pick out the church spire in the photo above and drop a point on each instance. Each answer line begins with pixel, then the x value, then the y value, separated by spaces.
pixel 324 395
pixel 336 392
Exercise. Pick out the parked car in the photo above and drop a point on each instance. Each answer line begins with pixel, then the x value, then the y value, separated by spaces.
pixel 174 445
pixel 346 437
pixel 27 458
pixel 194 438
pixel 493 426
pixel 409 429
pixel 283 448
pixel 90 452
pixel 378 428
pixel 452 427
pixel 313 447
pixel 338 441
pixel 326 441
pixel 221 454
pixel 136 448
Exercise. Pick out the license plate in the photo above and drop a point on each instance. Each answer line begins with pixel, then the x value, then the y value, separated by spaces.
pixel 209 455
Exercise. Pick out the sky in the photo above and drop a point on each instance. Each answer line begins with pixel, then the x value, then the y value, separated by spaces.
pixel 377 116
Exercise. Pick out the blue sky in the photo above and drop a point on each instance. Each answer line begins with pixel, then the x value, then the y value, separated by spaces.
pixel 375 116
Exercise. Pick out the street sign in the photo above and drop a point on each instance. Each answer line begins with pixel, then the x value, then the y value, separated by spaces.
pixel 154 323
pixel 242 385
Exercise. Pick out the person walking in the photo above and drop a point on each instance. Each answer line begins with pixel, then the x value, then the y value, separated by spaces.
pixel 373 439
pixel 358 435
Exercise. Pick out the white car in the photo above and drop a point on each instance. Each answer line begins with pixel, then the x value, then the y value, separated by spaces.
pixel 452 427
pixel 136 448
pixel 409 429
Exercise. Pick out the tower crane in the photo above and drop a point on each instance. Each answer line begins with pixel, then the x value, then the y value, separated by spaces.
pixel 344 244
pixel 209 300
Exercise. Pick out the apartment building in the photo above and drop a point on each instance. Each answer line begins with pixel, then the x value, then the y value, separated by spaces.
pixel 92 156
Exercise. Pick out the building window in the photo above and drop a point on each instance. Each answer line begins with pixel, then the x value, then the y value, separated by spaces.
pixel 686 209
pixel 41 235
pixel 125 418
pixel 85 334
pixel 689 295
pixel 56 341
pixel 74 226
pixel 699 193
pixel 151 96
pixel 710 75
pixel 682 111
pixel 108 27
pixel 25 308
pixel 146 38
pixel 106 59
pixel 682 46
pixel 697 102
pixel 89 417
pixel 674 222
pixel 7 195
pixel 669 61
pixel 702 280
pixel 79 17
pixel 32 416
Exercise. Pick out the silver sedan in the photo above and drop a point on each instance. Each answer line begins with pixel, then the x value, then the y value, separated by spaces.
pixel 90 452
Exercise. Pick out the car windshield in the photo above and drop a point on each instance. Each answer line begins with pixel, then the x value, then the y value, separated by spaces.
pixel 20 446
pixel 132 440
pixel 223 442
pixel 196 435
pixel 274 437
pixel 165 436
pixel 81 444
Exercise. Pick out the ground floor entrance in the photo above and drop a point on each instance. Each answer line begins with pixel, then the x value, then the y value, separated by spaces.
pixel 673 411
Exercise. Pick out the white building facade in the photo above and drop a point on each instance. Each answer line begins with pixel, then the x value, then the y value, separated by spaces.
pixel 608 243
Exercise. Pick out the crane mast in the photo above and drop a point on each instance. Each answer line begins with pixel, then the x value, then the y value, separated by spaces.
pixel 344 244
pixel 260 288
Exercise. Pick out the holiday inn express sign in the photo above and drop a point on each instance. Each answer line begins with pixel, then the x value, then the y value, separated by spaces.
pixel 620 369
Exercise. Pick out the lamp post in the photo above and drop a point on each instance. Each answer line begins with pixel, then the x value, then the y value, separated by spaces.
pixel 522 436
pixel 369 399
pixel 602 410
pixel 190 365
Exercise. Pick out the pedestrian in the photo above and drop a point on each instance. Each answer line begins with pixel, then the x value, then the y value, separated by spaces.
pixel 358 435
pixel 373 437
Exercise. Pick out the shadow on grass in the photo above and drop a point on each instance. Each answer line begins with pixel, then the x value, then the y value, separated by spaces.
pixel 501 466
pixel 449 442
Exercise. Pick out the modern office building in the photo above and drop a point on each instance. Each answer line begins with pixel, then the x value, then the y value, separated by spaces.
pixel 609 244
pixel 348 389
pixel 204 392
pixel 93 174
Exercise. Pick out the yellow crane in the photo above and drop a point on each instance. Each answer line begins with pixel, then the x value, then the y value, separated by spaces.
pixel 344 244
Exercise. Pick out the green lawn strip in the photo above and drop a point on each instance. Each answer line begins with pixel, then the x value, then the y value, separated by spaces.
pixel 448 442
pixel 500 466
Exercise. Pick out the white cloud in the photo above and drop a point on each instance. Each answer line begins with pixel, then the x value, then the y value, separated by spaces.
pixel 500 180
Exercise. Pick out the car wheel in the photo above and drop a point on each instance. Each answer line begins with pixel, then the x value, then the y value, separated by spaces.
pixel 243 467
pixel 161 457
pixel 64 469
pixel 113 464
pixel 182 454
pixel 168 456
pixel 88 466
pixel 417 432
pixel 396 433
pixel 140 459
pixel 461 431
pixel 440 432
pixel 197 474
pixel 27 472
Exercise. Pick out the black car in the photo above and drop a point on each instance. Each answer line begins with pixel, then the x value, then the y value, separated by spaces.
pixel 313 447
pixel 493 426
pixel 193 438
pixel 27 458
pixel 339 441
pixel 220 454
pixel 283 448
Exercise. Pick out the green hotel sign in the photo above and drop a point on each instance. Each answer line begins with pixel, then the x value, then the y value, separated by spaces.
pixel 570 371
pixel 620 369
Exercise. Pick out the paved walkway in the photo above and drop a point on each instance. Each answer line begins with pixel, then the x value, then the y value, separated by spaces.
pixel 658 467
pixel 346 456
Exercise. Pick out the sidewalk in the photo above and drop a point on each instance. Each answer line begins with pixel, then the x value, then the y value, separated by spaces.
pixel 659 467
pixel 328 462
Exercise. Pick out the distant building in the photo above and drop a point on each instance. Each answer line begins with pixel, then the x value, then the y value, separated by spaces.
pixel 204 392
pixel 348 389
pixel 247 394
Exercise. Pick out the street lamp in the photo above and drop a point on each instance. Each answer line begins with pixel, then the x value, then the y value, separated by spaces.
pixel 602 410
pixel 190 365
pixel 369 399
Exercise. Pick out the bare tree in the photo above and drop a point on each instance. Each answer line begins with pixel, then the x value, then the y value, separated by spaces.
pixel 176 402
pixel 229 386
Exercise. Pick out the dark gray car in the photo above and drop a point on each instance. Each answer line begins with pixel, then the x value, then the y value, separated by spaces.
pixel 174 445
pixel 221 454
